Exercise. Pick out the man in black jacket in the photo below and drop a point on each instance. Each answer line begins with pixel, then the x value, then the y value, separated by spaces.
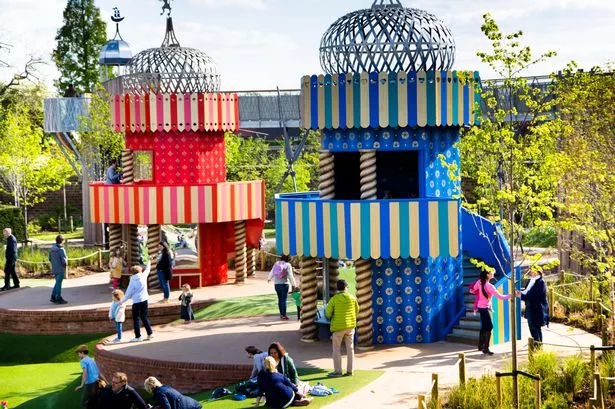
pixel 11 259
pixel 120 395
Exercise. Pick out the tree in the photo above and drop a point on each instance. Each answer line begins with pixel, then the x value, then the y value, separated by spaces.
pixel 507 158
pixel 79 42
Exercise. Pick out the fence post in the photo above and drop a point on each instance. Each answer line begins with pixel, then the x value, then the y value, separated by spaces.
pixel 100 258
pixel 603 330
pixel 421 401
pixel 66 270
pixel 551 302
pixel 72 224
pixel 462 369
pixel 434 391
pixel 498 388
pixel 538 397
pixel 598 391
pixel 592 358
pixel 530 349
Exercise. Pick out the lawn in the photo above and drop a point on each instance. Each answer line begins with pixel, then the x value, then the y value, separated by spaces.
pixel 51 236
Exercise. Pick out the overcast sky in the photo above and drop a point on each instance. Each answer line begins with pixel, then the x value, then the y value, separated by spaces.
pixel 261 44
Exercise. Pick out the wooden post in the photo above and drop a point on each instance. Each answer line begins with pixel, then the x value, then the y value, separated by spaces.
pixel 498 388
pixel 66 270
pixel 462 369
pixel 262 260
pixel 100 258
pixel 598 391
pixel 531 347
pixel 603 331
pixel 592 358
pixel 434 391
pixel 538 398
pixel 421 403
pixel 72 224
pixel 551 302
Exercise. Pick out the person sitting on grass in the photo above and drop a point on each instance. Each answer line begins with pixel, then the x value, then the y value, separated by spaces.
pixel 166 397
pixel 284 363
pixel 120 395
pixel 257 356
pixel 277 389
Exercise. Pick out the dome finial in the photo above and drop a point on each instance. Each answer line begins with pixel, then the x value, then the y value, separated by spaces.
pixel 387 3
pixel 170 40
pixel 117 18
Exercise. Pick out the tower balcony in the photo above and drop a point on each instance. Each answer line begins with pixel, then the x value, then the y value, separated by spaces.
pixel 309 226
pixel 177 204
pixel 64 114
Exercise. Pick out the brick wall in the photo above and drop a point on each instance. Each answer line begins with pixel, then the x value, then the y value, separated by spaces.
pixel 50 322
pixel 187 377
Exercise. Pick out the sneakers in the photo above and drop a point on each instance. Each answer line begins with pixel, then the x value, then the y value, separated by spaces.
pixel 52 299
pixel 284 318
pixel 487 351
pixel 117 340
pixel 348 374
pixel 5 288
pixel 139 339
pixel 149 337
pixel 61 301
pixel 163 301
pixel 334 374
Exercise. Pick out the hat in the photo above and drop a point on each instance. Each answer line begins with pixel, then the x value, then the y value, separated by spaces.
pixel 82 348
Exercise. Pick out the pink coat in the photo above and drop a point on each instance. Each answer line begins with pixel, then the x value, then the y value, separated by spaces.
pixel 485 302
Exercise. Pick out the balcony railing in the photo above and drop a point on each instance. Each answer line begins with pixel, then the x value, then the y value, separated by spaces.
pixel 154 204
pixel 309 226
pixel 63 114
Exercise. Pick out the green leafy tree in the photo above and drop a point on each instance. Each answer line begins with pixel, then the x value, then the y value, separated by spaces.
pixel 79 42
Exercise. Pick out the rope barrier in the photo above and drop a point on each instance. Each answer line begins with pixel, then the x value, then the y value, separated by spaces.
pixel 565 284
pixel 607 379
pixel 69 259
pixel 574 274
pixel 563 346
pixel 573 299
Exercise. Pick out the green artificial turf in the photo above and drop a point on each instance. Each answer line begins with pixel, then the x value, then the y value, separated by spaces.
pixel 43 349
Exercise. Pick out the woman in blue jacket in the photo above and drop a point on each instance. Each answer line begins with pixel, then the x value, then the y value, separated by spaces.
pixel 277 389
pixel 536 304
pixel 166 397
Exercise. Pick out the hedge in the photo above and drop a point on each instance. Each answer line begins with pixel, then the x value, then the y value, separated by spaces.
pixel 12 217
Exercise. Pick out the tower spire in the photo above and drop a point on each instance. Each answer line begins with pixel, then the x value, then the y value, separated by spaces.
pixel 386 3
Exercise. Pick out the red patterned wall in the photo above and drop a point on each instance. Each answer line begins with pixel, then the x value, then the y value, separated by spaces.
pixel 183 158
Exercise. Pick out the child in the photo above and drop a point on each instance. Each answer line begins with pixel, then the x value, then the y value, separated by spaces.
pixel 186 299
pixel 116 265
pixel 117 313
pixel 297 297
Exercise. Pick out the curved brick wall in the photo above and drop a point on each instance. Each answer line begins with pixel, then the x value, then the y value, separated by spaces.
pixel 49 322
pixel 184 376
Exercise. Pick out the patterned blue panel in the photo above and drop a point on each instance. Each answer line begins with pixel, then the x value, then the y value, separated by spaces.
pixel 416 300
pixel 437 180
pixel 384 139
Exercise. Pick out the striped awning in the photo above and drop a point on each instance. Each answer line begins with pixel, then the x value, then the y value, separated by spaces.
pixel 308 226
pixel 175 112
pixel 390 99
pixel 138 204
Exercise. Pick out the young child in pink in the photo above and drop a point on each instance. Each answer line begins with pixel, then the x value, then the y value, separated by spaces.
pixel 484 291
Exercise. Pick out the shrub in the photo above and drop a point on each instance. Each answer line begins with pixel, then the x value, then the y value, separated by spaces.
pixel 476 394
pixel 556 401
pixel 12 217
pixel 541 236
pixel 575 373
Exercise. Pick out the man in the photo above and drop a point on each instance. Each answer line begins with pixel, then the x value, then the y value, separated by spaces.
pixel 58 259
pixel 120 395
pixel 11 259
pixel 137 290
pixel 113 177
pixel 89 378
pixel 342 310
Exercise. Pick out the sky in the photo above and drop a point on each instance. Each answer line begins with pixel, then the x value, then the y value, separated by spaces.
pixel 263 44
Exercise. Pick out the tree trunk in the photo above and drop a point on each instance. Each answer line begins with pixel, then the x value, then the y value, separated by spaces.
pixel 89 228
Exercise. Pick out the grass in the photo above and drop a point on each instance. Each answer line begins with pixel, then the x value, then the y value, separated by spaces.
pixel 269 233
pixel 36 349
pixel 51 236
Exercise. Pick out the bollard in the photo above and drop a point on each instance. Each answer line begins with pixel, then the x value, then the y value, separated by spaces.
pixel 531 348
pixel 462 369
pixel 538 398
pixel 422 402
pixel 434 391
pixel 498 388
pixel 592 358
pixel 100 264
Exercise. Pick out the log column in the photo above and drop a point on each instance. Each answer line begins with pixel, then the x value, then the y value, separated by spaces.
pixel 251 262
pixel 240 252
pixel 128 166
pixel 309 289
pixel 153 241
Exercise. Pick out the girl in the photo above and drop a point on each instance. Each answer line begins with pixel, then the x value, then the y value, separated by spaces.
pixel 258 357
pixel 116 265
pixel 282 273
pixel 117 313
pixel 164 270
pixel 186 299
pixel 484 290
pixel 284 363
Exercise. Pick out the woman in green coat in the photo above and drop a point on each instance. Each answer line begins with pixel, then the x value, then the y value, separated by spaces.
pixel 285 364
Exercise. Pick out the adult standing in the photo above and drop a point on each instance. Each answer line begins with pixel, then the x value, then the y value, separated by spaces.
pixel 164 270
pixel 168 398
pixel 58 259
pixel 342 310
pixel 536 304
pixel 137 291
pixel 89 377
pixel 282 274
pixel 10 257
pixel 113 177
pixel 120 395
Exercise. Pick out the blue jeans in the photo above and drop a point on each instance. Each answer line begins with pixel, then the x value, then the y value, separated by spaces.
pixel 282 291
pixel 56 293
pixel 164 284
pixel 118 329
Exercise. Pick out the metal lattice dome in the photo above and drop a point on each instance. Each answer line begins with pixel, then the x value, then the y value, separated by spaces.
pixel 172 69
pixel 387 37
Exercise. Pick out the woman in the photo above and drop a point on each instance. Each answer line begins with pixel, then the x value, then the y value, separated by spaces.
pixel 257 356
pixel 166 397
pixel 536 304
pixel 284 363
pixel 277 389
pixel 163 268
pixel 484 291
pixel 137 291
pixel 282 274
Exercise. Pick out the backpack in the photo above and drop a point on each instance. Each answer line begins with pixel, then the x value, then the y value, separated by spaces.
pixel 280 270
pixel 248 388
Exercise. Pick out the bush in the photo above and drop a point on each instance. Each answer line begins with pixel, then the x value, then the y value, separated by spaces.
pixel 12 217
pixel 575 374
pixel 543 236
pixel 556 402
pixel 33 227
pixel 48 222
pixel 476 394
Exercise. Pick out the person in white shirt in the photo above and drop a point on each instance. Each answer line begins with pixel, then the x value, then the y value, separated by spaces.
pixel 137 291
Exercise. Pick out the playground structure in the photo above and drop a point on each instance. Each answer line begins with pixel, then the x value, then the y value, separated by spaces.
pixel 390 111
pixel 173 167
